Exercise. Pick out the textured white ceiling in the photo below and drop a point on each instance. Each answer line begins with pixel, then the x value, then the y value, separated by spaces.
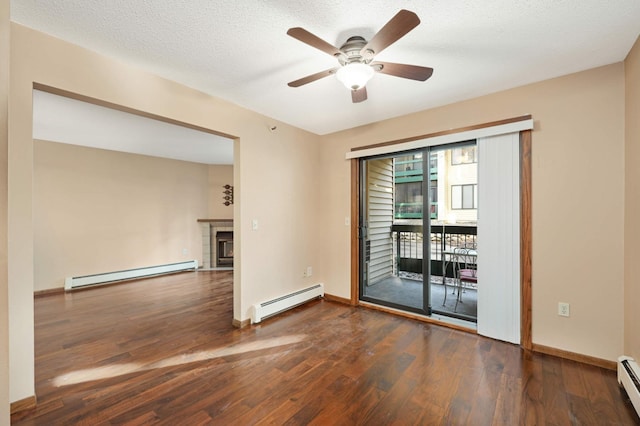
pixel 239 50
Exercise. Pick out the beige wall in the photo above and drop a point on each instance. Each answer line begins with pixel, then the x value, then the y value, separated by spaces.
pixel 632 203
pixel 4 316
pixel 219 176
pixel 578 181
pixel 275 178
pixel 99 211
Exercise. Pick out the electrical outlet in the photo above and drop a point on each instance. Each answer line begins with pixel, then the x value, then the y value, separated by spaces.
pixel 185 252
pixel 563 309
pixel 309 271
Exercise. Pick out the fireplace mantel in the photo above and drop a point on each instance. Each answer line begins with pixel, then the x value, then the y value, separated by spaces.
pixel 225 221
pixel 210 227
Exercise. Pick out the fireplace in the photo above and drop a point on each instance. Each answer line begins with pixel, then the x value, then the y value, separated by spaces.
pixel 224 245
pixel 217 238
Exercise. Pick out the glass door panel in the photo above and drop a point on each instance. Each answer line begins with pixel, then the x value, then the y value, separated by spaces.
pixel 454 181
pixel 417 209
pixel 391 225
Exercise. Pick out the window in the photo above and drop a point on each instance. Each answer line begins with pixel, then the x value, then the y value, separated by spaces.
pixel 409 200
pixel 408 163
pixel 464 155
pixel 464 197
pixel 433 163
pixel 433 191
pixel 408 178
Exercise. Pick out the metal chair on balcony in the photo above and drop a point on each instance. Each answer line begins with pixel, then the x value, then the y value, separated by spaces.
pixel 466 270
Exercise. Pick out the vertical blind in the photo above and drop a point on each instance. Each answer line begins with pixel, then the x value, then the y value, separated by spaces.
pixel 499 237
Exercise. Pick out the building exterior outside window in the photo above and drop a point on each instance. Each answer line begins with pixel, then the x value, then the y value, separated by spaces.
pixel 453 185
pixel 464 155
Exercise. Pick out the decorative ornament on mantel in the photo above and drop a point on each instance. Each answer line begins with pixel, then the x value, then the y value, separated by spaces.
pixel 228 195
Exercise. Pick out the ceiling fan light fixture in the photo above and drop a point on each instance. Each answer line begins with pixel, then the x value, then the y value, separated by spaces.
pixel 355 75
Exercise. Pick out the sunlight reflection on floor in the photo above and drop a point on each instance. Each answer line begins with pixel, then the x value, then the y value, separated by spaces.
pixel 97 373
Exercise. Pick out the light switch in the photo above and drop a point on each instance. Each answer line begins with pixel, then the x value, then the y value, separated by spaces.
pixel 254 224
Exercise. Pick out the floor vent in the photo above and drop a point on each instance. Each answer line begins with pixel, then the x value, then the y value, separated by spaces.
pixel 629 379
pixel 282 303
pixel 72 283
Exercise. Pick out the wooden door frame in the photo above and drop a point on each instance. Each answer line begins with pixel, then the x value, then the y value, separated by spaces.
pixel 525 227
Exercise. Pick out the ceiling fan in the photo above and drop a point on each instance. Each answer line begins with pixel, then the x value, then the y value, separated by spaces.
pixel 356 56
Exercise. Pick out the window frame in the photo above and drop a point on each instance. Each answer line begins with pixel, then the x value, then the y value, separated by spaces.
pixel 474 196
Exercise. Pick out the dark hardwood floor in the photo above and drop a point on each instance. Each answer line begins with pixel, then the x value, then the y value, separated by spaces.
pixel 163 351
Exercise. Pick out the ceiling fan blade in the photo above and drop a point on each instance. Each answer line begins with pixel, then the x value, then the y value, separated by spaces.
pixel 396 28
pixel 312 77
pixel 412 72
pixel 313 40
pixel 359 95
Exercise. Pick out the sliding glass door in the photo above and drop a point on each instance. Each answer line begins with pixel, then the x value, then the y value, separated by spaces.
pixel 417 208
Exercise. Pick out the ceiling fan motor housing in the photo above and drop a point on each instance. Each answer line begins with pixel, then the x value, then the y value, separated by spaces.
pixel 352 51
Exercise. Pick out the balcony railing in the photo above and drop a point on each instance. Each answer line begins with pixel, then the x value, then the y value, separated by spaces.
pixel 408 242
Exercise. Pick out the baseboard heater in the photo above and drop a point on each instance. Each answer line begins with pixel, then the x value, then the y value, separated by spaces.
pixel 272 307
pixel 629 379
pixel 71 283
